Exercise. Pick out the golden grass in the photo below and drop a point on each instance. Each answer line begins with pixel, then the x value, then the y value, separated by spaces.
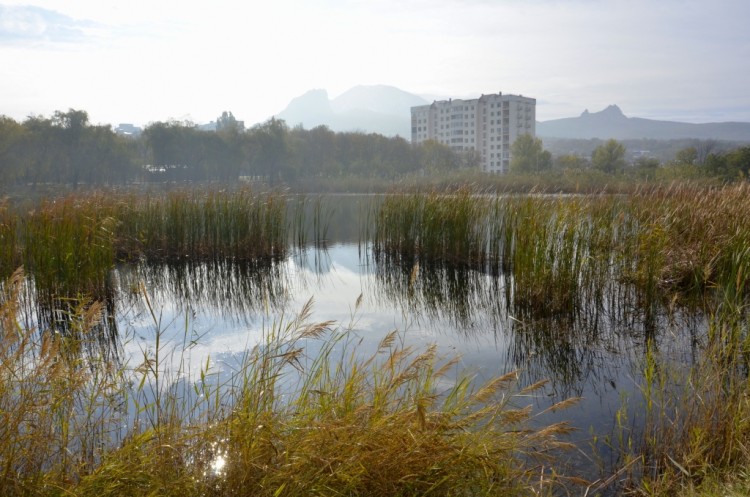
pixel 395 422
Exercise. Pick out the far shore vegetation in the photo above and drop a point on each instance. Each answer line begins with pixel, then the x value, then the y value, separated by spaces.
pixel 67 151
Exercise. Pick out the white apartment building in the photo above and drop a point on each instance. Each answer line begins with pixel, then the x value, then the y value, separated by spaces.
pixel 488 125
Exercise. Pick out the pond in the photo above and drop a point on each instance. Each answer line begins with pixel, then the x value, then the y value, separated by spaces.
pixel 209 313
pixel 589 340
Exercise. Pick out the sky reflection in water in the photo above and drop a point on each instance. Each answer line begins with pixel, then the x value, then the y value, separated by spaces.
pixel 218 313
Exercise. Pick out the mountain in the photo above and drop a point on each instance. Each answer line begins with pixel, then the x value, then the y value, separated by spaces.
pixel 372 109
pixel 311 109
pixel 612 123
pixel 387 110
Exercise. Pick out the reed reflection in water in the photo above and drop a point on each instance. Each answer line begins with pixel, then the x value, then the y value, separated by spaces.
pixel 463 309
pixel 214 312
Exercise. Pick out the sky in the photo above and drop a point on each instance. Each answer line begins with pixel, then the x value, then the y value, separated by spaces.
pixel 144 61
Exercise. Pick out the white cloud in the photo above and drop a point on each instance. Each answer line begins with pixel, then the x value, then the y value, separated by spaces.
pixel 36 25
pixel 141 61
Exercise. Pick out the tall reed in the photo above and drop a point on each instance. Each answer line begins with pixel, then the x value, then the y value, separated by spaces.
pixel 203 226
pixel 293 419
pixel 556 250
pixel 561 252
pixel 68 245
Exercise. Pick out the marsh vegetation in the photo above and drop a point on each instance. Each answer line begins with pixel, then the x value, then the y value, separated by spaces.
pixel 635 302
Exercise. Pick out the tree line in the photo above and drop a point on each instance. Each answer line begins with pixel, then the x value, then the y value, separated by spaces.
pixel 699 160
pixel 67 149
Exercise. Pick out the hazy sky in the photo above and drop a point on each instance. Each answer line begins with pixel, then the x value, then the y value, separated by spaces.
pixel 151 60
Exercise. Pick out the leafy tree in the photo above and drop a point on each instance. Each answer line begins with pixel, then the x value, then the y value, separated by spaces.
pixel 704 148
pixel 184 152
pixel 571 161
pixel 12 136
pixel 610 157
pixel 528 155
pixel 165 141
pixel 227 121
pixel 646 167
pixel 40 151
pixel 729 166
pixel 470 159
pixel 687 156
pixel 716 165
pixel 319 155
pixel 738 162
pixel 268 150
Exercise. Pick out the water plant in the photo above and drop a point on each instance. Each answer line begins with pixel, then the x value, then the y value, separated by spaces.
pixel 328 422
pixel 70 244
pixel 304 412
pixel 561 251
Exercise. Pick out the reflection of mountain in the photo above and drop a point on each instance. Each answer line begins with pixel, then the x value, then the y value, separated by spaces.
pixel 372 109
pixel 612 123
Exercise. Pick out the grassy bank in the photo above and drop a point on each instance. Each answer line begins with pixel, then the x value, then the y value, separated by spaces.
pixel 570 181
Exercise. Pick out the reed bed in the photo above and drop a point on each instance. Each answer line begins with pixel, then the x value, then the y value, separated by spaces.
pixel 545 244
pixel 334 423
pixel 9 256
pixel 646 252
pixel 561 252
pixel 203 226
pixel 70 244
pixel 692 239
pixel 696 416
pixel 395 422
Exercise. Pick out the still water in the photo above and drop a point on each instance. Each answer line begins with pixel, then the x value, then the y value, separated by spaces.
pixel 213 313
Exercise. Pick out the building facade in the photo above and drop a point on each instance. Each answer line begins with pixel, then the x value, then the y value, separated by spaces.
pixel 486 126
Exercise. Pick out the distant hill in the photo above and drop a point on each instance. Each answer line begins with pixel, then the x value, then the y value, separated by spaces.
pixel 387 110
pixel 612 123
pixel 371 109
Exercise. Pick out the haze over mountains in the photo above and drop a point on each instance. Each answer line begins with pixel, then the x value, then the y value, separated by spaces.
pixel 386 110
pixel 612 123
pixel 372 109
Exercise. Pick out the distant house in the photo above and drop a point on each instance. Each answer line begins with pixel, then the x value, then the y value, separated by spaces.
pixel 127 129
pixel 488 125
pixel 211 126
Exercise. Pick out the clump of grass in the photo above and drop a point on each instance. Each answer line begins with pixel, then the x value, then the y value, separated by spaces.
pixel 564 252
pixel 9 257
pixel 556 250
pixel 193 225
pixel 69 245
pixel 432 227
pixel 56 403
pixel 697 417
pixel 697 414
pixel 690 240
pixel 293 419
